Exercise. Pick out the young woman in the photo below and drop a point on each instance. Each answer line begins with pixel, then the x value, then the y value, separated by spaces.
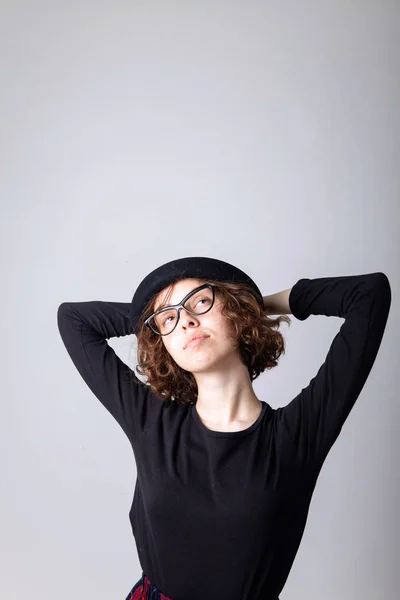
pixel 224 481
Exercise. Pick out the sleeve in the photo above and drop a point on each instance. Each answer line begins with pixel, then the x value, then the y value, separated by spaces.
pixel 84 328
pixel 312 421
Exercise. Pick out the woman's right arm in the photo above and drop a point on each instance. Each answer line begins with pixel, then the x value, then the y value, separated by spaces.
pixel 84 328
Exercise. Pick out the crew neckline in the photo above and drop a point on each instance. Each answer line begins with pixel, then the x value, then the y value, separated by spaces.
pixel 240 433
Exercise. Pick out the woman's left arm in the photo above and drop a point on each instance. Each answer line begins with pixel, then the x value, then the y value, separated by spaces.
pixel 309 425
pixel 278 304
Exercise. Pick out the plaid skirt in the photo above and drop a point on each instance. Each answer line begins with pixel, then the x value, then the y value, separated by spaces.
pixel 145 590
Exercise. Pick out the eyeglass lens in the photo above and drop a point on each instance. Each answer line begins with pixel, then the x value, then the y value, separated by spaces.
pixel 164 321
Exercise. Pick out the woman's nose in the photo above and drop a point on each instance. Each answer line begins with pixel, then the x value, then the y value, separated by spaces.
pixel 186 318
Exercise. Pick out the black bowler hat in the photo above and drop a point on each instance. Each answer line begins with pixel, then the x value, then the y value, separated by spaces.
pixel 196 267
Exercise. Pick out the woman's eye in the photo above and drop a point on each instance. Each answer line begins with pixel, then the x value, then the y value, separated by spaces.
pixel 204 300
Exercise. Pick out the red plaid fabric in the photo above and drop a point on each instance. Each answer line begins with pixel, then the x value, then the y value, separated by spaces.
pixel 145 590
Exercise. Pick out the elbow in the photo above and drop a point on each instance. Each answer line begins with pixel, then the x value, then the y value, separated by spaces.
pixel 62 310
pixel 382 289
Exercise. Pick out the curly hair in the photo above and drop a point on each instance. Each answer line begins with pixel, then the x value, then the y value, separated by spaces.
pixel 259 342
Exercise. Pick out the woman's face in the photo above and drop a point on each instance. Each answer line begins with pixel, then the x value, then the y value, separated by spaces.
pixel 218 344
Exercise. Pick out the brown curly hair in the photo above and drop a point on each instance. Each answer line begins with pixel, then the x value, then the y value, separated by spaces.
pixel 259 342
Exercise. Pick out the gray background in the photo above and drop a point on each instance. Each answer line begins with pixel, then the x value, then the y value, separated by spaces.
pixel 132 133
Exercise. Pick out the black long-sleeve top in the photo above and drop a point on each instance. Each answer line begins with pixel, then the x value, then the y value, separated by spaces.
pixel 220 515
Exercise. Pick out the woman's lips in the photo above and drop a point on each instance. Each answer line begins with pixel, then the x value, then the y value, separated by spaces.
pixel 196 341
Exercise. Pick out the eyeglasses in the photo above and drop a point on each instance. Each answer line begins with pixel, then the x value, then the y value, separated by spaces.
pixel 197 302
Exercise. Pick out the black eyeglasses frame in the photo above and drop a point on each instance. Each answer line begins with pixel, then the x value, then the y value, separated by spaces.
pixel 179 306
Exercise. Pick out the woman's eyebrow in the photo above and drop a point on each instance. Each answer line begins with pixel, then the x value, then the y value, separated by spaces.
pixel 174 304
